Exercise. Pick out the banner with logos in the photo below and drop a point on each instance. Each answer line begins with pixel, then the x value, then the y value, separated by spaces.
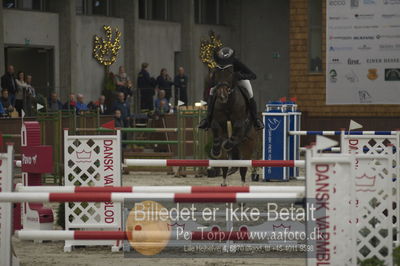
pixel 363 52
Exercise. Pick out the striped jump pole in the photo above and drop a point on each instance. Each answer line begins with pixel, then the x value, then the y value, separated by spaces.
pixel 52 235
pixel 134 129
pixel 338 149
pixel 164 197
pixel 338 133
pixel 164 189
pixel 216 163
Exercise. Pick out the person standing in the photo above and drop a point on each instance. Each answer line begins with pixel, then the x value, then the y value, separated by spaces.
pixel 181 83
pixel 121 79
pixel 30 95
pixel 9 83
pixel 146 86
pixel 20 94
pixel 121 105
pixel 164 82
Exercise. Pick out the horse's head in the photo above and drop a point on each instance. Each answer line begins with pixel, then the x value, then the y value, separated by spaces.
pixel 224 82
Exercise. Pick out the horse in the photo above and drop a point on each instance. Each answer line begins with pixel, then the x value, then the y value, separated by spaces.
pixel 231 104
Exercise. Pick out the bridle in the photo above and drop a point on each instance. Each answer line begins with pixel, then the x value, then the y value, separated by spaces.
pixel 228 85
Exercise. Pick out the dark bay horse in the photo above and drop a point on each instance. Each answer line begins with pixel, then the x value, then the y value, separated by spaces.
pixel 231 104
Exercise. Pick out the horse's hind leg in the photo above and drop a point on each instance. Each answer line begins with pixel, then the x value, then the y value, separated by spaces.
pixel 224 175
pixel 243 172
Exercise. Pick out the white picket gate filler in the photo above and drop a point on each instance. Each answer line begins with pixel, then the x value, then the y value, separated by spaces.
pixel 7 258
pixel 92 160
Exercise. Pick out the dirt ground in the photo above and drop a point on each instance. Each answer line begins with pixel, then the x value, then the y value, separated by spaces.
pixel 51 253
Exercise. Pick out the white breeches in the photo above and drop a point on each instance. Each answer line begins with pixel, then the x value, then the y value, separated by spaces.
pixel 242 83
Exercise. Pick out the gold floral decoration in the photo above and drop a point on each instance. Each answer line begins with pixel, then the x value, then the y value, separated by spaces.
pixel 207 48
pixel 105 50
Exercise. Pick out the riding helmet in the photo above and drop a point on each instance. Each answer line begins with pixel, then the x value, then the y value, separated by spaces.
pixel 224 56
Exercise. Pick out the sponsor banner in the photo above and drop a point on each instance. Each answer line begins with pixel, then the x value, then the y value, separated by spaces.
pixel 37 159
pixel 363 47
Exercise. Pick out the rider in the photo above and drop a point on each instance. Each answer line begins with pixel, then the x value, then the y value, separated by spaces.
pixel 224 57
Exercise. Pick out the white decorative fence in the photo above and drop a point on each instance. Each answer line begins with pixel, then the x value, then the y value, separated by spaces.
pixel 92 161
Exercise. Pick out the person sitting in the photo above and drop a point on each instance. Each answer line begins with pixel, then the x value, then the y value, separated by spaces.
pixel 71 103
pixel 54 104
pixel 122 105
pixel 225 57
pixel 2 111
pixel 99 105
pixel 5 101
pixel 161 103
pixel 80 105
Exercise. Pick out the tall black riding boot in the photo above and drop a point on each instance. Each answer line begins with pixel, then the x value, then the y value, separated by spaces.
pixel 258 124
pixel 206 122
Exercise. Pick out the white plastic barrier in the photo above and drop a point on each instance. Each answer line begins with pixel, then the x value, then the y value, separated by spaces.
pixel 6 224
pixel 92 161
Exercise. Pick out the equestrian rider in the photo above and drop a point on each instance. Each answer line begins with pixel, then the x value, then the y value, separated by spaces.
pixel 224 57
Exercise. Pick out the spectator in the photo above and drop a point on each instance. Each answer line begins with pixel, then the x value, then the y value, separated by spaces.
pixel 29 96
pixel 146 86
pixel 121 79
pixel 164 82
pixel 161 103
pixel 119 123
pixel 181 82
pixel 80 105
pixel 54 103
pixel 8 83
pixel 71 103
pixel 121 105
pixel 118 119
pixel 100 105
pixel 2 111
pixel 20 94
pixel 5 101
pixel 127 90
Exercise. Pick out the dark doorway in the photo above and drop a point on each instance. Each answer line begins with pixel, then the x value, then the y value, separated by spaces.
pixel 35 61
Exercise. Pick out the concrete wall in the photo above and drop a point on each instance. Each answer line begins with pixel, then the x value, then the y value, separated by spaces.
pixel 157 43
pixel 88 73
pixel 21 28
pixel 265 31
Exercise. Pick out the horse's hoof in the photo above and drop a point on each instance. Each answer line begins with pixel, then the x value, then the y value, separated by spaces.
pixel 227 145
pixel 224 185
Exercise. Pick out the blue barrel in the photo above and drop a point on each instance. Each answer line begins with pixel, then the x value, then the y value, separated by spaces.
pixel 293 144
pixel 275 140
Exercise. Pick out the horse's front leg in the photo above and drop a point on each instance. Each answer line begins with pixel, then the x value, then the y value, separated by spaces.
pixel 224 175
pixel 217 140
pixel 243 172
pixel 237 136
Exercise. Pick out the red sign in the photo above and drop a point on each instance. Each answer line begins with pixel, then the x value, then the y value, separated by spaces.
pixel 37 159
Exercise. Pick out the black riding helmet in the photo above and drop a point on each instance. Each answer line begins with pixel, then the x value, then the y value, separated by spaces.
pixel 224 56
